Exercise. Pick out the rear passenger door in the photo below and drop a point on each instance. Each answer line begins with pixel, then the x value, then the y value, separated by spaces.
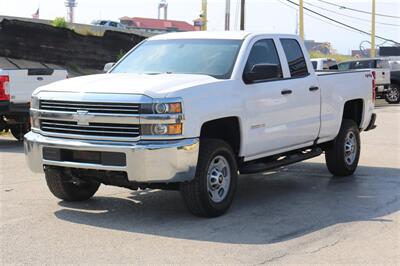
pixel 278 115
pixel 304 122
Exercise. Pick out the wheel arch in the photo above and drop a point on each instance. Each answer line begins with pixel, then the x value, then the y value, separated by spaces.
pixel 354 110
pixel 225 128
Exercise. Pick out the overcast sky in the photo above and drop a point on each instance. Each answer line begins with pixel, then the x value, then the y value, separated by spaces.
pixel 272 16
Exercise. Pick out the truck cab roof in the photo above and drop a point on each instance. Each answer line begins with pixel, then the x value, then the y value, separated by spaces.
pixel 227 35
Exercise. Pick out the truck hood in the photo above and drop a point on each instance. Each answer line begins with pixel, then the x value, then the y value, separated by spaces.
pixel 155 86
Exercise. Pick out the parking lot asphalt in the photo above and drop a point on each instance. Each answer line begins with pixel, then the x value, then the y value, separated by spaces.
pixel 294 215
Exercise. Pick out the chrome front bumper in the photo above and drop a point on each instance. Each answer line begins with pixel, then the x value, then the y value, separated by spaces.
pixel 146 161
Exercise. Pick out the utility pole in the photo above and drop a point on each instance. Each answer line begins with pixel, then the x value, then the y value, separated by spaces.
pixel 242 12
pixel 373 51
pixel 301 18
pixel 71 4
pixel 204 14
pixel 163 5
pixel 227 14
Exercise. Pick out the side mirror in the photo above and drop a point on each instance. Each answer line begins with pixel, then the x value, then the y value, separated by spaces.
pixel 262 72
pixel 108 66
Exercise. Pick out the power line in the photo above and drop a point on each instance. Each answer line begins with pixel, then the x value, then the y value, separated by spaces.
pixel 357 10
pixel 344 24
pixel 344 15
pixel 316 18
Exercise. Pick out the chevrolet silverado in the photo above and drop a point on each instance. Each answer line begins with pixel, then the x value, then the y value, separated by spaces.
pixel 191 111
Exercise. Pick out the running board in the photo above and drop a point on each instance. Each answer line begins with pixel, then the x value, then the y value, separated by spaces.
pixel 260 166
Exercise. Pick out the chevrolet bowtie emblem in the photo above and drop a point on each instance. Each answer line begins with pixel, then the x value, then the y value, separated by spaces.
pixel 82 117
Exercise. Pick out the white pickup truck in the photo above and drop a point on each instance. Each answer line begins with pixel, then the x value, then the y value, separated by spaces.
pixel 16 87
pixel 190 111
pixel 324 64
pixel 380 69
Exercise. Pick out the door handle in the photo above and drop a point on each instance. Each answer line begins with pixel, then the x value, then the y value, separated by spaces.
pixel 314 88
pixel 39 78
pixel 285 92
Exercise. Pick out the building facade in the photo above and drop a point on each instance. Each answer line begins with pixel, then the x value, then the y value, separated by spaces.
pixel 152 25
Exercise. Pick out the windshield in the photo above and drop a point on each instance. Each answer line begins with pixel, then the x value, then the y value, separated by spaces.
pixel 215 58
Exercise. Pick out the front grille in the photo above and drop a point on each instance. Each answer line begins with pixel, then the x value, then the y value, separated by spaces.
pixel 92 107
pixel 93 129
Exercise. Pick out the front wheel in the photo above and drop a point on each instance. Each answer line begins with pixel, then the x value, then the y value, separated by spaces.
pixel 211 192
pixel 66 188
pixel 393 94
pixel 343 155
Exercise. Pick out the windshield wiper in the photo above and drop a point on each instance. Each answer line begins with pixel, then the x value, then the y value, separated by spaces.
pixel 157 73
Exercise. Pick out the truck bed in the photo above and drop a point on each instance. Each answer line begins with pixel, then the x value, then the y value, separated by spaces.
pixel 25 76
pixel 350 85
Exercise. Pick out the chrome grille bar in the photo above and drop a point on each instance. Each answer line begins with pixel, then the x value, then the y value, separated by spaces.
pixel 93 129
pixel 92 125
pixel 92 107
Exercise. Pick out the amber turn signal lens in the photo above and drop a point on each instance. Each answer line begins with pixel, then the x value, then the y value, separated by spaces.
pixel 175 108
pixel 175 129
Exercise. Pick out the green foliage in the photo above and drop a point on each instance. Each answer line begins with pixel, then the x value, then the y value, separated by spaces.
pixel 337 57
pixel 120 54
pixel 59 22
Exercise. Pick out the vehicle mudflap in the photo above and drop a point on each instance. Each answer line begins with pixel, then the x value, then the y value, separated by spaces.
pixel 371 124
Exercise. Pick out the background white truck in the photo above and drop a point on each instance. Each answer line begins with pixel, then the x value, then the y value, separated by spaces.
pixel 380 69
pixel 189 111
pixel 324 64
pixel 16 87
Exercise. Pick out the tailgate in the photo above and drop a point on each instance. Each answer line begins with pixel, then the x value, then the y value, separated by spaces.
pixel 382 76
pixel 24 81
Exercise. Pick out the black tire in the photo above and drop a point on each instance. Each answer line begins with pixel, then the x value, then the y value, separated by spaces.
pixel 336 160
pixel 63 187
pixel 18 131
pixel 196 193
pixel 393 95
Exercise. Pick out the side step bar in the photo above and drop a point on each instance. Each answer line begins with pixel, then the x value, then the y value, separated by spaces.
pixel 259 166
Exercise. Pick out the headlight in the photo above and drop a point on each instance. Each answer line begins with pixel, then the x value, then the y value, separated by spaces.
pixel 161 129
pixel 34 105
pixel 34 102
pixel 162 108
pixel 162 117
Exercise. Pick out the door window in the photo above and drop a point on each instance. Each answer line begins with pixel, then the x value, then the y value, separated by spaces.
pixel 344 66
pixel 382 64
pixel 264 52
pixel 330 64
pixel 294 54
pixel 364 64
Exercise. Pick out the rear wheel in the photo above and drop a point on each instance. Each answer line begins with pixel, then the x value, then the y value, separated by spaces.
pixel 67 188
pixel 393 94
pixel 343 155
pixel 211 192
